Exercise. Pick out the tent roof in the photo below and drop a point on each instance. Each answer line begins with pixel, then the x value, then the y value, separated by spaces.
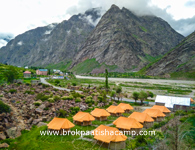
pixel 170 100
pixel 83 116
pixel 161 108
pixel 141 117
pixel 110 134
pixel 60 123
pixel 115 109
pixel 125 106
pixel 127 123
pixel 100 113
pixel 191 100
pixel 154 113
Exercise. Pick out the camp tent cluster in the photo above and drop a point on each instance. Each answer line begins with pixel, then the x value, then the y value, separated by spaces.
pixel 135 122
pixel 118 110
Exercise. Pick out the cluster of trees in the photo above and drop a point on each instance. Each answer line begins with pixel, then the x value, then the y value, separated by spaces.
pixel 10 74
pixel 142 95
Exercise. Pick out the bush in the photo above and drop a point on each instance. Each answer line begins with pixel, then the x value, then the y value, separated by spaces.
pixel 27 84
pixel 57 82
pixel 56 98
pixel 100 98
pixel 78 99
pixel 89 100
pixel 74 84
pixel 45 85
pixel 39 83
pixel 180 113
pixel 62 113
pixel 29 92
pixel 75 94
pixel 42 97
pixel 70 97
pixel 4 108
pixel 51 100
pixel 150 94
pixel 46 91
pixel 74 110
pixel 37 104
pixel 12 91
pixel 1 95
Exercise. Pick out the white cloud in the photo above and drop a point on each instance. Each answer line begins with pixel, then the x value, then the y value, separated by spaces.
pixel 2 43
pixel 18 16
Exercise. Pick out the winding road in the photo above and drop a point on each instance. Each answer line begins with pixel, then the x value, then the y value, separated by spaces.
pixel 60 88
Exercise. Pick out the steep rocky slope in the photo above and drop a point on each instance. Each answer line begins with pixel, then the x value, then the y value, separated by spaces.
pixel 128 41
pixel 179 59
pixel 50 44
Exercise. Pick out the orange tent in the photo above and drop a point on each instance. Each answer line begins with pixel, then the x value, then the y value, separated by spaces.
pixel 141 117
pixel 127 123
pixel 126 107
pixel 100 113
pixel 191 100
pixel 161 108
pixel 154 113
pixel 60 123
pixel 115 109
pixel 83 116
pixel 108 134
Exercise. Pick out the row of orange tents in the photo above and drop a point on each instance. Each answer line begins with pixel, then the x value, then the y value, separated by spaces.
pixel 135 122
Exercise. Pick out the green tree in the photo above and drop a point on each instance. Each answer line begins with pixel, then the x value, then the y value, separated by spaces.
pixel 143 96
pixel 11 74
pixel 49 71
pixel 118 91
pixel 150 94
pixel 106 80
pixel 113 94
pixel 135 96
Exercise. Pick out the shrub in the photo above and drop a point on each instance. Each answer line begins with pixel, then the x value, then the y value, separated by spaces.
pixel 74 84
pixel 62 113
pixel 45 85
pixel 150 94
pixel 51 100
pixel 89 100
pixel 70 97
pixel 46 91
pixel 180 113
pixel 56 90
pixel 12 91
pixel 28 84
pixel 37 104
pixel 78 99
pixel 29 92
pixel 4 108
pixel 1 95
pixel 39 83
pixel 42 97
pixel 57 82
pixel 74 110
pixel 100 98
pixel 56 98
pixel 75 94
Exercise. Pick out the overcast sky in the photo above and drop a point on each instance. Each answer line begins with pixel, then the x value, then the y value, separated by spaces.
pixel 18 16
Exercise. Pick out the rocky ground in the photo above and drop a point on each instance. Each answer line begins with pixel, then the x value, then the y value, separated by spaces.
pixel 25 112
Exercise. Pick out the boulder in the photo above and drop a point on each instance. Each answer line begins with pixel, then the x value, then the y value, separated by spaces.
pixel 42 106
pixel 41 124
pixel 4 145
pixel 2 136
pixel 36 121
pixel 13 132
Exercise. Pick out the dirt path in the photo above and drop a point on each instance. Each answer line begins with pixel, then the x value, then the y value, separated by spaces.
pixel 17 116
